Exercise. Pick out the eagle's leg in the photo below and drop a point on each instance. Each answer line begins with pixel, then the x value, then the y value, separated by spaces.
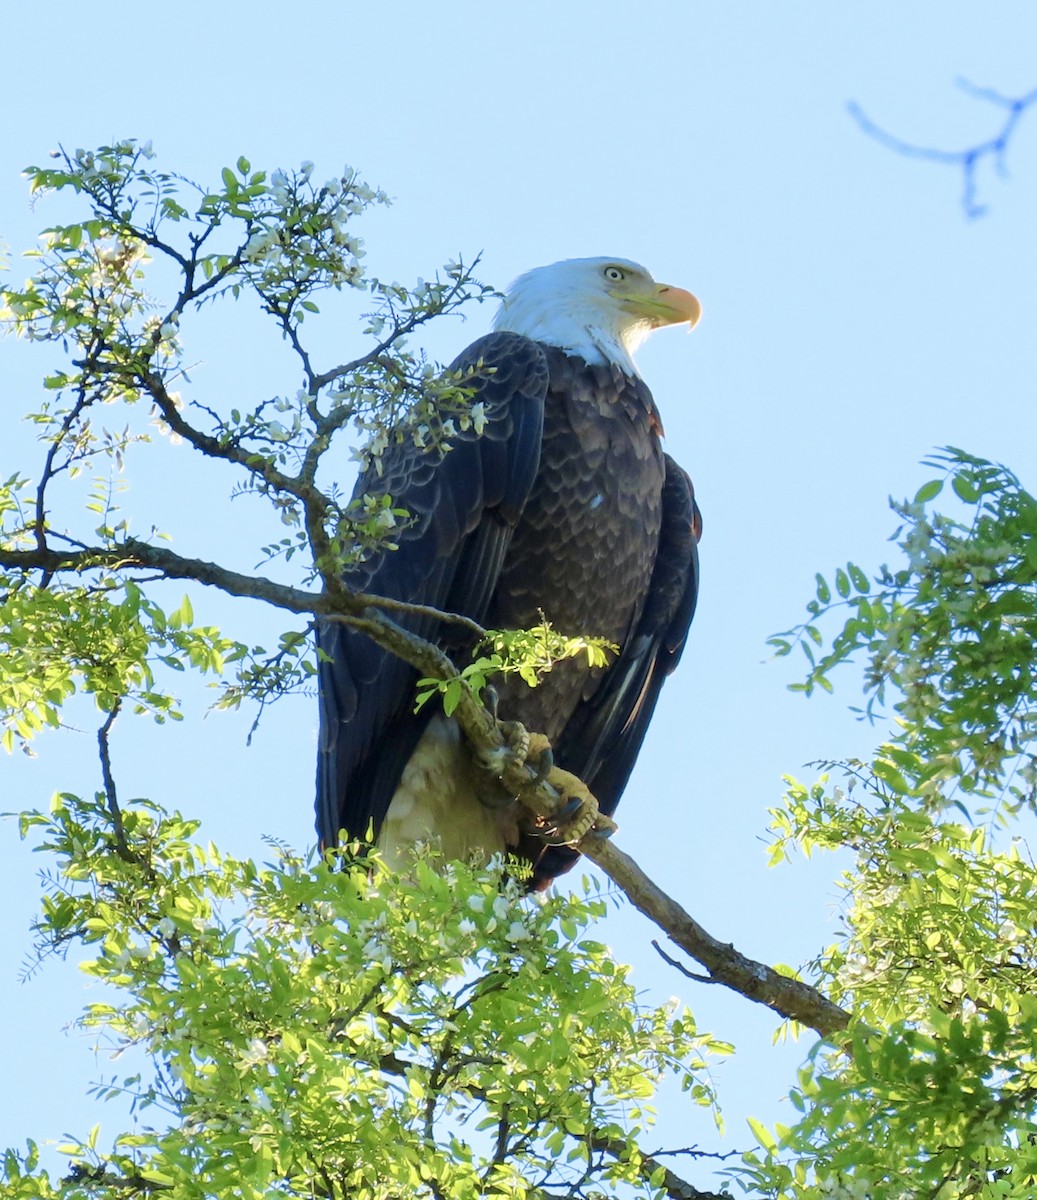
pixel 515 749
pixel 533 751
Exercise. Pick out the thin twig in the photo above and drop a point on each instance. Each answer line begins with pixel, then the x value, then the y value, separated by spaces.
pixel 399 330
pixel 680 966
pixel 969 158
pixel 122 846
pixel 420 610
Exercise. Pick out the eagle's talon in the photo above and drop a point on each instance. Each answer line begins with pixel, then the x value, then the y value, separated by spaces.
pixel 575 814
pixel 575 824
pixel 544 766
pixel 564 813
pixel 491 699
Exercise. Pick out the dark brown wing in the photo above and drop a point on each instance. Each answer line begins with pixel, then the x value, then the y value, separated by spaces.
pixel 463 507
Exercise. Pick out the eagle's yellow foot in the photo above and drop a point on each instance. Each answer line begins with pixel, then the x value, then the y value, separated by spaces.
pixel 577 813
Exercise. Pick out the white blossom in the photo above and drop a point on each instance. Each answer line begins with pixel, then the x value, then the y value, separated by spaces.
pixel 255 1053
pixel 112 253
pixel 373 948
pixel 1008 932
pixel 279 186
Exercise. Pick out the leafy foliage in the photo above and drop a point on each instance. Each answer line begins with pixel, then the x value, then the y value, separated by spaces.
pixel 108 637
pixel 952 632
pixel 349 1033
pixel 934 1094
pixel 528 653
pixel 110 292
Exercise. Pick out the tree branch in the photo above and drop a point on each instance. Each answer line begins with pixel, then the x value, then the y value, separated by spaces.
pixel 401 329
pixel 789 998
pixel 121 845
pixel 213 447
pixel 968 159
pixel 133 554
pixel 673 1185
pixel 101 1176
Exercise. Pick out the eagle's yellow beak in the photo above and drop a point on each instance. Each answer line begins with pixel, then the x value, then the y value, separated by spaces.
pixel 664 305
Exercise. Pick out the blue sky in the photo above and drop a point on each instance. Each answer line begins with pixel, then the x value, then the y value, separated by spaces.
pixel 853 321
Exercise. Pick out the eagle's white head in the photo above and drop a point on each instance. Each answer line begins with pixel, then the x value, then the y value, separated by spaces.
pixel 599 308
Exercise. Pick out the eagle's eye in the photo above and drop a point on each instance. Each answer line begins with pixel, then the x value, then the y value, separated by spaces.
pixel 614 273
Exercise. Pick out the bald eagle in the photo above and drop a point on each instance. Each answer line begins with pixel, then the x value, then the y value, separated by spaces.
pixel 562 504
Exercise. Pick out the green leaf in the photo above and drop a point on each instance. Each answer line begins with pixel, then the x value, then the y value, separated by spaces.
pixel 452 696
pixel 762 1134
pixel 929 491
pixel 891 776
pixel 160 1177
pixel 965 489
pixel 860 580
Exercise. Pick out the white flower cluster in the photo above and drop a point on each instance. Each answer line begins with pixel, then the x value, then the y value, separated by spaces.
pixel 131 954
pixel 505 912
pixel 845 1189
pixel 108 163
pixel 256 1054
pixel 858 970
pixel 279 250
pixel 378 511
pixel 165 334
pixel 477 415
